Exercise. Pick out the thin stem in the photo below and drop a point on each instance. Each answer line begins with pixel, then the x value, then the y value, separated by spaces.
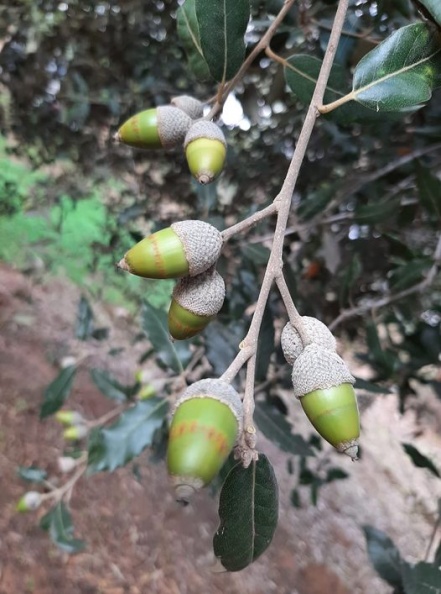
pixel 432 538
pixel 238 362
pixel 279 59
pixel 294 317
pixel 365 36
pixel 249 221
pixel 337 103
pixel 59 493
pixel 107 416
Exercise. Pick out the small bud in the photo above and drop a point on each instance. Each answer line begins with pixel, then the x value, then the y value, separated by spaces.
pixel 66 464
pixel 205 150
pixel 76 432
pixel 69 417
pixel 29 502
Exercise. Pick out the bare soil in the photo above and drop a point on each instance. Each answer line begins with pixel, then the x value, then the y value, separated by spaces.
pixel 139 540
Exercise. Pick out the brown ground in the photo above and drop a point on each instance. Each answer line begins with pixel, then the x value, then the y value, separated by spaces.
pixel 139 540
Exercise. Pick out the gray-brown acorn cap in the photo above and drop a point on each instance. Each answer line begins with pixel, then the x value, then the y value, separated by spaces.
pixel 318 369
pixel 318 332
pixel 218 390
pixel 173 125
pixel 204 129
pixel 202 244
pixel 192 107
pixel 202 295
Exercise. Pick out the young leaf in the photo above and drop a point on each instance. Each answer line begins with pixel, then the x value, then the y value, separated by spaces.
pixel 188 31
pixel 57 391
pixel 111 388
pixel 248 512
pixel 384 556
pixel 401 72
pixel 155 326
pixel 419 460
pixel 84 321
pixel 32 474
pixel 58 523
pixel 276 428
pixel 222 26
pixel 114 446
pixel 422 578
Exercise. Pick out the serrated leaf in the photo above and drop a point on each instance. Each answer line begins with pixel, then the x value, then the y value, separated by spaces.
pixel 419 460
pixel 384 556
pixel 188 31
pixel 114 446
pixel 433 9
pixel 429 189
pixel 111 388
pixel 248 513
pixel 276 428
pixel 361 384
pixel 422 578
pixel 57 391
pixel 174 355
pixel 222 26
pixel 401 72
pixel 32 474
pixel 58 523
pixel 84 321
pixel 265 346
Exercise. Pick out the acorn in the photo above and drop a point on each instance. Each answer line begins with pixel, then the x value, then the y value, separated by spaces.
pixel 191 106
pixel 186 248
pixel 195 302
pixel 323 384
pixel 207 420
pixel 318 333
pixel 159 127
pixel 29 502
pixel 205 149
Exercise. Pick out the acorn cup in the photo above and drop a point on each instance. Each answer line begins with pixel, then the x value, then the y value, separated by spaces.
pixel 186 248
pixel 205 150
pixel 323 384
pixel 195 302
pixel 206 422
pixel 159 127
pixel 191 106
pixel 318 332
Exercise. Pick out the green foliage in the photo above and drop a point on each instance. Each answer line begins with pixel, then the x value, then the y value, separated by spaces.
pixel 32 474
pixel 111 388
pixel 58 391
pixel 58 522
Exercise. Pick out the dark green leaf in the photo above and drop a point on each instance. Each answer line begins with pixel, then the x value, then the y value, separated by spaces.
pixel 295 498
pixel 257 254
pixel 384 556
pixel 315 202
pixel 437 559
pixel 419 460
pixel 111 388
pixel 408 274
pixel 307 477
pixel 174 355
pixel 222 26
pixel 429 188
pixel 381 358
pixel 422 578
pixel 84 322
pixel 32 474
pixel 222 344
pixel 361 384
pixel 188 31
pixel 433 9
pixel 114 446
pixel 57 391
pixel 336 474
pixel 375 212
pixel 58 523
pixel 349 277
pixel 265 346
pixel 401 72
pixel 248 512
pixel 276 428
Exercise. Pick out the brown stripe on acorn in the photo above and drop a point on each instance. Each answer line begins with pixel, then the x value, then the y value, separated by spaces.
pixel 205 150
pixel 186 248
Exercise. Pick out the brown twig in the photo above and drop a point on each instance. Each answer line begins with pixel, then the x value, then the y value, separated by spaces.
pixel 249 221
pixel 294 317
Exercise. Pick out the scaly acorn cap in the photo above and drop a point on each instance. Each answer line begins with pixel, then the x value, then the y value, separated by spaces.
pixel 161 127
pixel 205 150
pixel 185 248
pixel 318 332
pixel 207 420
pixel 191 106
pixel 195 302
pixel 323 383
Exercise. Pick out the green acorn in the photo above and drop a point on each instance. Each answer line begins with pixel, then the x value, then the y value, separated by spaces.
pixel 191 106
pixel 206 422
pixel 196 301
pixel 184 248
pixel 323 384
pixel 205 149
pixel 29 502
pixel 159 127
pixel 69 417
pixel 318 332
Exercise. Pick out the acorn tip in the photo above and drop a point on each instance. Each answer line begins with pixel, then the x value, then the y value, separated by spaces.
pixel 116 137
pixel 352 452
pixel 183 494
pixel 122 265
pixel 205 178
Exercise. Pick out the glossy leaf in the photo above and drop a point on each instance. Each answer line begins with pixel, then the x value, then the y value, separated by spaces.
pixel 32 474
pixel 114 446
pixel 248 512
pixel 84 321
pixel 188 31
pixel 429 189
pixel 276 428
pixel 433 9
pixel 400 73
pixel 222 25
pixel 58 522
pixel 174 355
pixel 111 388
pixel 422 578
pixel 384 556
pixel 265 346
pixel 57 391
pixel 419 460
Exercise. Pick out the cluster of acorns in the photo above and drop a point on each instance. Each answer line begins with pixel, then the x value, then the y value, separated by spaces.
pixel 207 418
